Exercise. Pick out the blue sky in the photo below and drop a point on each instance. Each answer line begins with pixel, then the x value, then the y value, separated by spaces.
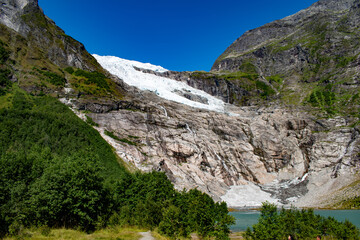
pixel 181 35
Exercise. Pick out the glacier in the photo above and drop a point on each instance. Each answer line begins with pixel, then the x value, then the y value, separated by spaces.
pixel 164 87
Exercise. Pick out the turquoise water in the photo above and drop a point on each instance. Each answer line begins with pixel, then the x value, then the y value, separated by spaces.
pixel 248 218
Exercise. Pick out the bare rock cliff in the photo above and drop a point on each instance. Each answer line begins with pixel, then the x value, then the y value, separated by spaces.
pixel 286 154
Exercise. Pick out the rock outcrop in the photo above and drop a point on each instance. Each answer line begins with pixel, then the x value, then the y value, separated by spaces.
pixel 286 154
pixel 12 10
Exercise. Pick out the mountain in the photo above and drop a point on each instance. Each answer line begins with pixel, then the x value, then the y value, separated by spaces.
pixel 262 125
pixel 290 128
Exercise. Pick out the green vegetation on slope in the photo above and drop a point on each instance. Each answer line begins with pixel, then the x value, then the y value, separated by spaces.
pixel 4 53
pixel 57 171
pixel 301 224
pixel 92 84
pixel 5 72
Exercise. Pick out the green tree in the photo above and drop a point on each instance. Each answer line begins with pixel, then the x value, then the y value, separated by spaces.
pixel 70 193
pixel 173 224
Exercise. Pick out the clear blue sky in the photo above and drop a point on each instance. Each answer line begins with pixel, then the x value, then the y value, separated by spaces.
pixel 181 35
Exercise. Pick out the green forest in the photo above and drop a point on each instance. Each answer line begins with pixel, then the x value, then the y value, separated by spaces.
pixel 57 171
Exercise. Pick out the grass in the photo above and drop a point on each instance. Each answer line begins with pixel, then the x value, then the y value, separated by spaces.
pixel 111 233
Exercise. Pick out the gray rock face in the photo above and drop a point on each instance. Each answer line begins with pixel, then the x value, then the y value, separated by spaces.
pixel 11 11
pixel 282 152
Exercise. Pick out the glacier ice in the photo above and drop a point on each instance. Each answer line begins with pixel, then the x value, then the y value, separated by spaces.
pixel 163 87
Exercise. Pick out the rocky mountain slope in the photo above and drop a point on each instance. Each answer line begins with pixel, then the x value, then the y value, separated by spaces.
pixel 311 57
pixel 38 53
pixel 244 156
pixel 286 133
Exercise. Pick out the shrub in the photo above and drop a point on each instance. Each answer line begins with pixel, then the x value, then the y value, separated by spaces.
pixel 265 89
pixel 69 70
pixel 53 78
pixel 323 98
pixel 70 193
pixel 93 78
pixel 4 53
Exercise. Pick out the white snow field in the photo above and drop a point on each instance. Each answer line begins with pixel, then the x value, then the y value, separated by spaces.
pixel 163 87
pixel 248 195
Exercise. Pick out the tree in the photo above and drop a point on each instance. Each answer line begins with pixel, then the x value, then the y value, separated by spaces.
pixel 70 193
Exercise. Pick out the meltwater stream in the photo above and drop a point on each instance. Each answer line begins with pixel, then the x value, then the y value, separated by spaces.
pixel 245 219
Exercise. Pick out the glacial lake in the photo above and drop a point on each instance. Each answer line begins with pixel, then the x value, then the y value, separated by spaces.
pixel 248 218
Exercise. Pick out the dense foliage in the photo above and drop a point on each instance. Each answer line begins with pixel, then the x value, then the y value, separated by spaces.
pixel 52 78
pixel 93 78
pixel 301 224
pixel 5 73
pixel 57 171
pixel 4 53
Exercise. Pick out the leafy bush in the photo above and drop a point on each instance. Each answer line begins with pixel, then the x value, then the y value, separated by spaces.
pixel 5 82
pixel 4 53
pixel 248 67
pixel 240 75
pixel 266 90
pixel 275 79
pixel 53 78
pixel 69 193
pixel 124 140
pixel 323 98
pixel 69 70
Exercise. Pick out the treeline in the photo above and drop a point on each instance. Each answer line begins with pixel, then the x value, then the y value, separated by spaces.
pixel 301 224
pixel 57 171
